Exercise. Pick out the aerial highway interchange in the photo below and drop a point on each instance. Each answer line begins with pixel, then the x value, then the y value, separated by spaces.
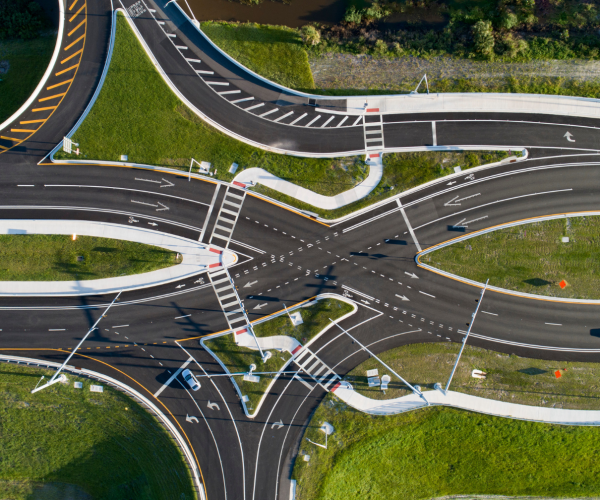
pixel 285 256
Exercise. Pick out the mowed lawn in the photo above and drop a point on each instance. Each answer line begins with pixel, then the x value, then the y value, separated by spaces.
pixel 28 60
pixel 55 257
pixel 105 444
pixel 434 452
pixel 531 258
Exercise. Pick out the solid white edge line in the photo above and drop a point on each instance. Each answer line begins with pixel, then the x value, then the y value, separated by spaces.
pixel 410 229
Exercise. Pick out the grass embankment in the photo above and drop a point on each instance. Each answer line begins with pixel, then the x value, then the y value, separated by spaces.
pixel 28 60
pixel 440 451
pixel 510 378
pixel 238 359
pixel 531 258
pixel 103 443
pixel 275 52
pixel 41 257
pixel 401 171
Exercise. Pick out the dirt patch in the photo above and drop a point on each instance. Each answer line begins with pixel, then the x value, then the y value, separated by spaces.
pixel 348 71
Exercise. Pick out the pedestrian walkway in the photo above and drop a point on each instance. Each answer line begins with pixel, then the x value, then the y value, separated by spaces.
pixel 317 369
pixel 228 216
pixel 260 176
pixel 346 393
pixel 196 258
pixel 244 338
pixel 228 298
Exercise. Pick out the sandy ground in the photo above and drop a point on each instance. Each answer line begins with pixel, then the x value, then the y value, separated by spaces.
pixel 363 71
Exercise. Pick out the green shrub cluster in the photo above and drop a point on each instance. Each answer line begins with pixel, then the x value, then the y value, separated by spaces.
pixel 21 19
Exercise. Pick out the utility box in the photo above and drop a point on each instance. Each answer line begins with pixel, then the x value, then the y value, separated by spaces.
pixel 233 168
pixel 78 385
pixel 96 388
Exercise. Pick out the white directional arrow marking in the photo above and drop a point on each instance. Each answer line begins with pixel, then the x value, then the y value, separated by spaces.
pixel 250 283
pixel 179 286
pixel 260 306
pixel 412 275
pixel 402 297
pixel 164 207
pixel 191 419
pixel 168 184
pixel 153 224
pixel 365 301
pixel 456 203
pixel 462 223
pixel 568 135
pixel 450 183
pixel 278 424
pixel 212 406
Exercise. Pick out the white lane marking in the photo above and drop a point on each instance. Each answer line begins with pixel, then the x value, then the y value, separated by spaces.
pixel 249 247
pixel 181 47
pixel 554 324
pixel 303 382
pixel 533 346
pixel 193 60
pixel 428 294
pixel 269 112
pixel 172 35
pixel 434 133
pixel 491 314
pixel 456 203
pixel 357 120
pixel 25 185
pixel 186 316
pixel 340 124
pixel 230 92
pixel 318 117
pixel 325 124
pixel 298 119
pixel 120 326
pixel 173 377
pixel 352 228
pixel 156 193
pixel 410 229
pixel 254 107
pixel 242 100
pixel 210 209
pixel 204 72
pixel 284 116
pixel 217 83
pixel 462 222
pixel 56 329
pixel 492 203
pixel 352 290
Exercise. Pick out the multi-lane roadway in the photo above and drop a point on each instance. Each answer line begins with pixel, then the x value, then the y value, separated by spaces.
pixel 285 256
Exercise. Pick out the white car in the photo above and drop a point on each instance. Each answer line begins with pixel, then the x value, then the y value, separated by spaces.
pixel 188 376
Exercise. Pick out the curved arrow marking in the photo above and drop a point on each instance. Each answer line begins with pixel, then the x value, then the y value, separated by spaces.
pixel 278 424
pixel 191 419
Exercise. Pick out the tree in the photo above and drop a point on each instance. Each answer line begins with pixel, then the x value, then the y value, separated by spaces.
pixel 483 36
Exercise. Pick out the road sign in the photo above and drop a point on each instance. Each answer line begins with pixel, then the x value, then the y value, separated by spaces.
pixel 68 145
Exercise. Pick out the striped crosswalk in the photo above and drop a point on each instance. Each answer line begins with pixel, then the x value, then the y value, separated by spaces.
pixel 228 298
pixel 317 369
pixel 228 215
pixel 373 134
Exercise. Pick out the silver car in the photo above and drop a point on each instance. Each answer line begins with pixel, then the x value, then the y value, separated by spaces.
pixel 188 376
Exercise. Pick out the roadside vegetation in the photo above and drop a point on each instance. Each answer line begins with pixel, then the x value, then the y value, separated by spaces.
pixel 509 378
pixel 238 359
pixel 81 444
pixel 41 257
pixel 401 171
pixel 26 46
pixel 530 258
pixel 436 451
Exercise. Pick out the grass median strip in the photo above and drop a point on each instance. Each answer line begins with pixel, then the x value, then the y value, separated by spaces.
pixel 531 258
pixel 64 439
pixel 41 257
pixel 509 378
pixel 434 452
pixel 237 359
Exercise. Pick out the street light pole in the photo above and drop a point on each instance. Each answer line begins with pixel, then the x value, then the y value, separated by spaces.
pixel 464 342
pixel 54 379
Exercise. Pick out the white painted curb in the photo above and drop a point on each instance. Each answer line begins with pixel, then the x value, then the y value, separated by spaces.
pixel 477 284
pixel 267 318
pixel 40 86
pixel 134 395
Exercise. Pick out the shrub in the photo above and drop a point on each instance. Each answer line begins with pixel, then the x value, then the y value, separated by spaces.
pixel 381 47
pixel 311 35
pixel 353 16
pixel 483 36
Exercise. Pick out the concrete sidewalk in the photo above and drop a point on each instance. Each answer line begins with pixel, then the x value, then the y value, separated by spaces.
pixel 197 258
pixel 261 176
pixel 466 402
pixel 276 342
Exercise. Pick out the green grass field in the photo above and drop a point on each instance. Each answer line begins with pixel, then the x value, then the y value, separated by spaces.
pixel 433 452
pixel 510 378
pixel 104 444
pixel 401 171
pixel 40 257
pixel 531 258
pixel 238 359
pixel 275 52
pixel 28 61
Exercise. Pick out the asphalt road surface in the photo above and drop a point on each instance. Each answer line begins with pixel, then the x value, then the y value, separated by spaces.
pixel 285 257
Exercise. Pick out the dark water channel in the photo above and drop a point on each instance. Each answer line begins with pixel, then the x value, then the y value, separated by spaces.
pixel 294 13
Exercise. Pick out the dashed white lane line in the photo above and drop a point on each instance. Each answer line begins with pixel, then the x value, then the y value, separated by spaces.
pixel 204 72
pixel 491 314
pixel 554 324
pixel 217 83
pixel 428 294
pixel 193 60
pixel 120 326
pixel 56 329
pixel 186 316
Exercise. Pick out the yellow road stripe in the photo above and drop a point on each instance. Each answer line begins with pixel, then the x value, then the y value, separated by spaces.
pixel 76 27
pixel 77 13
pixel 72 56
pixel 71 44
pixel 43 109
pixel 73 4
pixel 65 70
pixel 296 211
pixel 59 84
pixel 21 130
pixel 51 97
pixel 33 121
pixel 9 138
pixel 1 146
